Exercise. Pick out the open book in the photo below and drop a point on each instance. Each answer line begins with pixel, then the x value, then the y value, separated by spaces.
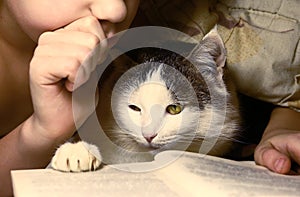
pixel 172 173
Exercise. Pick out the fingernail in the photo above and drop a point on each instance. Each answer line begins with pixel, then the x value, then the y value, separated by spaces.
pixel 279 164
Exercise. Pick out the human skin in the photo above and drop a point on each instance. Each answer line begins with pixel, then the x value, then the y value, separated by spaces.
pixel 42 46
pixel 280 143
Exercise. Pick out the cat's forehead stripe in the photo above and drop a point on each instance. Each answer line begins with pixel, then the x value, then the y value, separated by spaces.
pixel 156 75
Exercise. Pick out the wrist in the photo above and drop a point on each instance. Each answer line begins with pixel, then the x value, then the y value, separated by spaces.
pixel 35 137
pixel 31 138
pixel 282 121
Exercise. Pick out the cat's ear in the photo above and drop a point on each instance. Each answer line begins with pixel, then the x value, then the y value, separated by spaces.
pixel 210 51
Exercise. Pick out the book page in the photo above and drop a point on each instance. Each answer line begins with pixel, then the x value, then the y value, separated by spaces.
pixel 212 176
pixel 104 182
pixel 173 173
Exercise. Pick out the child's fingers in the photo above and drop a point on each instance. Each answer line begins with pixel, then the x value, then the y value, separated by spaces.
pixel 90 24
pixel 71 37
pixel 56 69
pixel 95 57
pixel 293 147
pixel 266 155
pixel 50 65
pixel 80 40
pixel 87 24
pixel 65 50
pixel 279 151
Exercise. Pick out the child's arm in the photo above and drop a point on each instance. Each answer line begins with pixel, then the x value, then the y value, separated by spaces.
pixel 280 144
pixel 22 149
pixel 53 69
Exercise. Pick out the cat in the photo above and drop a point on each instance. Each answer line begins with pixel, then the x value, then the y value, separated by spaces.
pixel 159 101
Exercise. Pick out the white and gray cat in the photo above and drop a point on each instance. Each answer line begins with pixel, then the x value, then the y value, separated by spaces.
pixel 163 101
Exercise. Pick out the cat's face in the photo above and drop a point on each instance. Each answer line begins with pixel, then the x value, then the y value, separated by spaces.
pixel 154 118
pixel 151 113
pixel 165 102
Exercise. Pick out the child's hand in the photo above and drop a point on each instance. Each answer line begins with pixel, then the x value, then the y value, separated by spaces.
pixel 280 145
pixel 53 70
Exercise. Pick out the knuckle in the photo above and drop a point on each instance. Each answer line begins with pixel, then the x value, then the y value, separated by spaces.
pixel 72 65
pixel 293 138
pixel 297 137
pixel 93 40
pixel 35 64
pixel 83 53
pixel 261 149
pixel 45 37
pixel 40 49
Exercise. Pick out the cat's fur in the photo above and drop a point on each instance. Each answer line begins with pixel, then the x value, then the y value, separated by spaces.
pixel 140 91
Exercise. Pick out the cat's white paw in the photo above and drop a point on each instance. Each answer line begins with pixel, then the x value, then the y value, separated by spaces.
pixel 76 157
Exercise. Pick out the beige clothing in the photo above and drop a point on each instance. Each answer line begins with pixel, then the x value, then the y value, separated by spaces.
pixel 261 38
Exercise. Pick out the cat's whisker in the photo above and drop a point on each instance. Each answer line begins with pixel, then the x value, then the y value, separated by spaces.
pixel 234 140
pixel 220 137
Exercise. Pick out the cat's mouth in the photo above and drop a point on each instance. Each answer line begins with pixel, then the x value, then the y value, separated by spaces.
pixel 150 146
pixel 155 146
pixel 166 143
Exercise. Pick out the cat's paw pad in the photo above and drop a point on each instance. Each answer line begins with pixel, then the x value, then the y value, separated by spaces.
pixel 76 157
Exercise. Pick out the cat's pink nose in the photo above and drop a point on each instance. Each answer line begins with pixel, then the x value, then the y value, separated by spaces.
pixel 150 138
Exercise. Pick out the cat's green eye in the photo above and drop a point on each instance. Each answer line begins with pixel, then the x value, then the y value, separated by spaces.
pixel 174 109
pixel 134 108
